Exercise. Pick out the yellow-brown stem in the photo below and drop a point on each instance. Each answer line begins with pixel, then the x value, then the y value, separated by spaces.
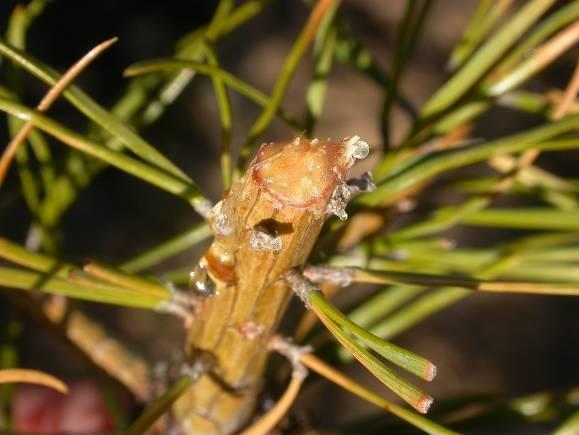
pixel 266 224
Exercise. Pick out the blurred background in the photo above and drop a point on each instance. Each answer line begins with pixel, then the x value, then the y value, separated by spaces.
pixel 510 345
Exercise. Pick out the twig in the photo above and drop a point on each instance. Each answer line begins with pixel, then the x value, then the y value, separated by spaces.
pixel 294 354
pixel 50 97
pixel 265 225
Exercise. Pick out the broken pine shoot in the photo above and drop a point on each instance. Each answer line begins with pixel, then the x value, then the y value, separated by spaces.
pixel 265 225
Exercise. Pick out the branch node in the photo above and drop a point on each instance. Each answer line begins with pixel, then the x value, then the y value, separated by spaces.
pixel 301 286
pixel 340 276
pixel 292 352
pixel 202 364
pixel 181 304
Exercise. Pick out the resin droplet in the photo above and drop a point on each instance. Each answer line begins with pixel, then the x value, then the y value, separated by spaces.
pixel 201 283
pixel 262 240
pixel 219 263
pixel 339 200
pixel 221 220
pixel 356 148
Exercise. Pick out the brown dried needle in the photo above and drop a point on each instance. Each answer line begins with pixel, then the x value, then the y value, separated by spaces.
pixel 47 101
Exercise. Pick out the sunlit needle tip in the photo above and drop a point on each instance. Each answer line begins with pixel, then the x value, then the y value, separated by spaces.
pixel 424 403
pixel 430 372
